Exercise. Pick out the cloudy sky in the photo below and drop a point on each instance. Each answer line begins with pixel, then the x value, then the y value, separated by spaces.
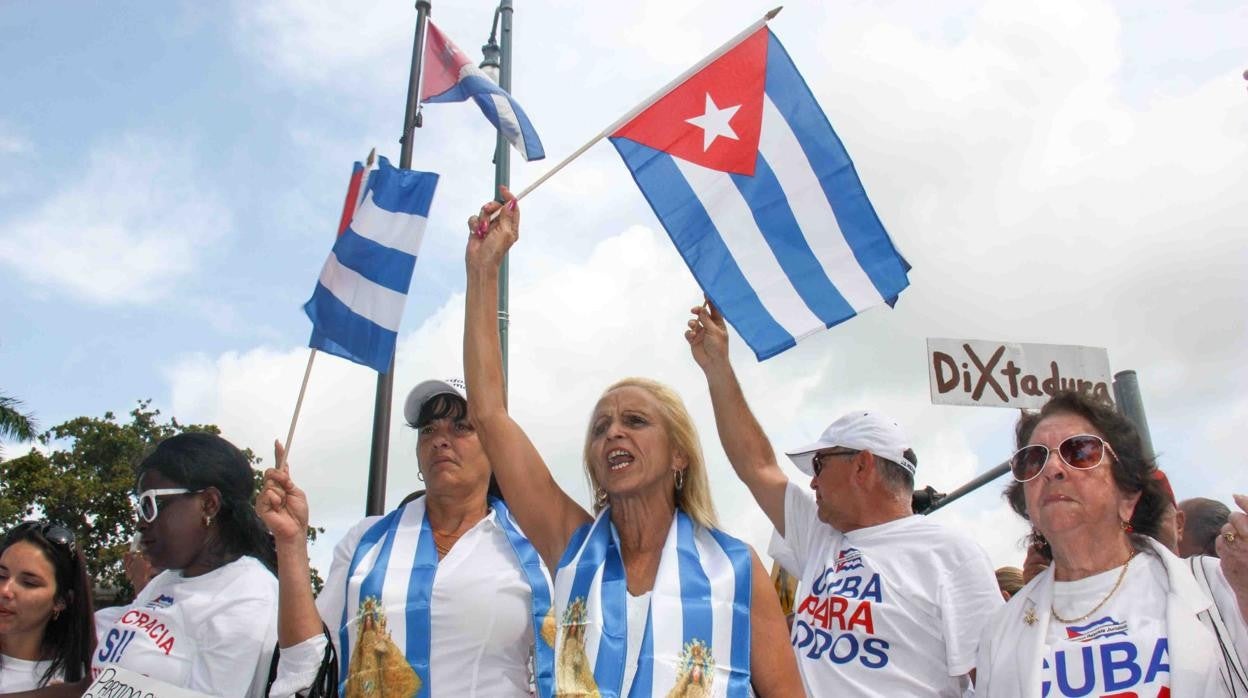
pixel 1066 172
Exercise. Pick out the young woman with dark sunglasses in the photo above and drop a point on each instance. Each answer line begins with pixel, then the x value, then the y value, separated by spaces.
pixel 1117 612
pixel 46 629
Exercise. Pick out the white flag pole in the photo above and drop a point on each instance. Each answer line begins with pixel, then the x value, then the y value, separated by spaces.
pixel 303 388
pixel 663 92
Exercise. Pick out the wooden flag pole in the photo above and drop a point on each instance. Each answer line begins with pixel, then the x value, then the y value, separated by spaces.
pixel 303 388
pixel 348 210
pixel 660 94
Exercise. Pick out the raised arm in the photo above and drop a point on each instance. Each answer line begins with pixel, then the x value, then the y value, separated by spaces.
pixel 545 512
pixel 748 448
pixel 283 507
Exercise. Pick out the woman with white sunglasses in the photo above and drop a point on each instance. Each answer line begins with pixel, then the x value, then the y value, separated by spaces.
pixel 1116 613
pixel 209 621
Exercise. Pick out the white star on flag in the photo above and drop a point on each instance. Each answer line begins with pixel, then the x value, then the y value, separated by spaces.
pixel 714 123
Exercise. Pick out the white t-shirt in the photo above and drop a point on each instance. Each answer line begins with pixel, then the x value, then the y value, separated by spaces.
pixel 1122 649
pixel 214 633
pixel 22 674
pixel 480 622
pixel 890 610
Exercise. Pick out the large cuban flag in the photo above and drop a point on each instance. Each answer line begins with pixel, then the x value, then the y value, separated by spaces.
pixel 450 76
pixel 755 189
pixel 359 298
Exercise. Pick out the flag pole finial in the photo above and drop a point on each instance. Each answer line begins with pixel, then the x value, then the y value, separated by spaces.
pixel 772 15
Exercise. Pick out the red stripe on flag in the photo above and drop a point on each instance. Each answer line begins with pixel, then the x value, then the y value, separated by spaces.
pixel 353 193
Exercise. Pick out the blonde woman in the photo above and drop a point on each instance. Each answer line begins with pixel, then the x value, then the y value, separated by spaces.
pixel 651 598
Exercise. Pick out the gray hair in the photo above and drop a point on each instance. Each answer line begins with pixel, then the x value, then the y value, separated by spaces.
pixel 897 478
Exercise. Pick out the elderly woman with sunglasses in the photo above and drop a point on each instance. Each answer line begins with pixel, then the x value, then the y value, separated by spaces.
pixel 1116 612
pixel 209 621
pixel 46 630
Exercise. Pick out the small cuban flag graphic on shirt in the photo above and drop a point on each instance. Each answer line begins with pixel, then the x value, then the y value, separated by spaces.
pixel 745 173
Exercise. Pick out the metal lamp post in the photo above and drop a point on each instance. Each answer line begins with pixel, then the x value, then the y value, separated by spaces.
pixel 497 64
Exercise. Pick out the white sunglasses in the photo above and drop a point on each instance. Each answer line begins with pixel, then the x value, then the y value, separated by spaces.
pixel 147 507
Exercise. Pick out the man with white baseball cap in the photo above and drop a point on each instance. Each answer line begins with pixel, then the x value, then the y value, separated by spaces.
pixel 889 603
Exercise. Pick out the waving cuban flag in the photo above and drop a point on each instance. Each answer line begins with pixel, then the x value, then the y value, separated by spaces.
pixel 450 76
pixel 359 297
pixel 755 189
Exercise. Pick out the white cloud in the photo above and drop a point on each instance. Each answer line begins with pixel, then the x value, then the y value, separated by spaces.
pixel 124 230
pixel 12 140
pixel 324 42
pixel 11 145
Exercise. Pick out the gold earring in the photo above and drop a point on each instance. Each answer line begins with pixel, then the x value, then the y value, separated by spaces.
pixel 601 498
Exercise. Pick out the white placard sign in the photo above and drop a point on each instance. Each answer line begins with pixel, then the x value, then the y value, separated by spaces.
pixel 115 682
pixel 1002 374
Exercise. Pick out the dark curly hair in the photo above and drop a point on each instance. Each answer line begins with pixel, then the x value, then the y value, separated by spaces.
pixel 1132 471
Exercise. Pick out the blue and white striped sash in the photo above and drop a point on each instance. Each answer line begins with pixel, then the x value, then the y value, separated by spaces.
pixel 381 579
pixel 697 628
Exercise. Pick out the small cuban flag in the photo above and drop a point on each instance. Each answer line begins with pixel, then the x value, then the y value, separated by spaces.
pixel 359 298
pixel 450 76
pixel 755 189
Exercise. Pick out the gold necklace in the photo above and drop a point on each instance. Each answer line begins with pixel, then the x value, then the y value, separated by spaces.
pixel 444 549
pixel 1121 576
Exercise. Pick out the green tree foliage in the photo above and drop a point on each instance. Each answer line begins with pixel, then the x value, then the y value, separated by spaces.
pixel 84 478
pixel 15 424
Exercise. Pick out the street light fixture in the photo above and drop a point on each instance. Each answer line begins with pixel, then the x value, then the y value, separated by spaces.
pixel 491 64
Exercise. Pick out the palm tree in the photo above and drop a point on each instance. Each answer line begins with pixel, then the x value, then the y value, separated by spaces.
pixel 13 424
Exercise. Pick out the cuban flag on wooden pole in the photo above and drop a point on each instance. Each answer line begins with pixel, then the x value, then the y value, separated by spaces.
pixel 745 173
pixel 755 189
pixel 359 297
pixel 450 76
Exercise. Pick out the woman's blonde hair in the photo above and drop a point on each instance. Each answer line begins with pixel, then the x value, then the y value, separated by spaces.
pixel 694 497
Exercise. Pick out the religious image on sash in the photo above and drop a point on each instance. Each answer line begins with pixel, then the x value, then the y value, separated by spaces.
pixel 695 672
pixel 378 668
pixel 573 672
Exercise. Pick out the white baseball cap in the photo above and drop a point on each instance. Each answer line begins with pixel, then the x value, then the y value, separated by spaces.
pixel 427 390
pixel 860 430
